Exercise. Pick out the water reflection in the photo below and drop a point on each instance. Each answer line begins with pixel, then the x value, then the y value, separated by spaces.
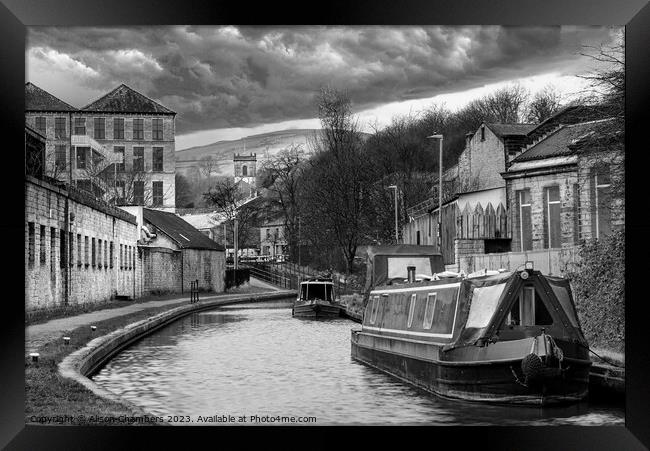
pixel 250 360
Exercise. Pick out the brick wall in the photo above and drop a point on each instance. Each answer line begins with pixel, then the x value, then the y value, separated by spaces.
pixel 94 222
pixel 208 266
pixel 161 270
pixel 465 247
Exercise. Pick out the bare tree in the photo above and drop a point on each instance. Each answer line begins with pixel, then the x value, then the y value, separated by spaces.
pixel 545 103
pixel 284 178
pixel 228 199
pixel 339 177
pixel 207 165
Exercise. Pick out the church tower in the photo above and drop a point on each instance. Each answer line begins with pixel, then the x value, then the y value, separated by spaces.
pixel 246 172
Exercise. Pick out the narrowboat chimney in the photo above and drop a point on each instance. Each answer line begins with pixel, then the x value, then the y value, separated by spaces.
pixel 410 270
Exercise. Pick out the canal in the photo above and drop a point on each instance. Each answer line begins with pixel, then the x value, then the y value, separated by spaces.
pixel 255 361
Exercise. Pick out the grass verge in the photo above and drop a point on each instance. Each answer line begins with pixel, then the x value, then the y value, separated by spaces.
pixel 50 396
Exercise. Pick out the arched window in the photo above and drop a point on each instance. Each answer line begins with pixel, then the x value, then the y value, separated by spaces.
pixel 244 171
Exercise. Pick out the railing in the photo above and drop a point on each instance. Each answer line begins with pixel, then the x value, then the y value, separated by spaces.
pixel 289 275
pixel 272 277
pixel 194 291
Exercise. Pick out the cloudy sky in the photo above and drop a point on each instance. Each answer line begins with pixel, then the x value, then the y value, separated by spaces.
pixel 229 82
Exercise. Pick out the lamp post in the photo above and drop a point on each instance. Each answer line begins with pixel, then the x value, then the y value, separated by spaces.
pixel 396 230
pixel 298 242
pixel 441 138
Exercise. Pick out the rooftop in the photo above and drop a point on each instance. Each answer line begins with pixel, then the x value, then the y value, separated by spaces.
pixel 37 99
pixel 503 130
pixel 179 230
pixel 565 140
pixel 126 100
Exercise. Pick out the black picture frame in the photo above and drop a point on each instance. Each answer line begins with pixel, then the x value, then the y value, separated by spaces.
pixel 16 15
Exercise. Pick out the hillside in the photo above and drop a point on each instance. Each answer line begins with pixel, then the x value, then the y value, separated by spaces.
pixel 265 145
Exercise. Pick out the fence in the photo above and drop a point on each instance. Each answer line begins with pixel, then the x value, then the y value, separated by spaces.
pixel 481 223
pixel 549 261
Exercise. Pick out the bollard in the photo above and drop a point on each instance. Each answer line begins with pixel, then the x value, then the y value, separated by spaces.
pixel 34 356
pixel 66 340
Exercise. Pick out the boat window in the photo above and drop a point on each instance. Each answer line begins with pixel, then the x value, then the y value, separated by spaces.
pixel 397 266
pixel 414 298
pixel 328 292
pixel 316 291
pixel 529 310
pixel 484 304
pixel 375 308
pixel 444 311
pixel 429 309
pixel 562 295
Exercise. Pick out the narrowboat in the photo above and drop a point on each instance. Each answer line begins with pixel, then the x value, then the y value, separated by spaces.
pixel 497 337
pixel 316 299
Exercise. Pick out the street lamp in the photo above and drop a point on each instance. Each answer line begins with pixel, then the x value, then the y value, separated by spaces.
pixel 441 138
pixel 396 231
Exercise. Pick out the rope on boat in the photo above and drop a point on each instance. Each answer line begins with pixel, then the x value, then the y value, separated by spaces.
pixel 524 384
pixel 600 357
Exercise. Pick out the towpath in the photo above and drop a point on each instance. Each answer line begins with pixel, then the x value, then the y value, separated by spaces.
pixel 37 335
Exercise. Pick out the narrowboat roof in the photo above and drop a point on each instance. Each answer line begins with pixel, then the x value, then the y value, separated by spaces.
pixel 318 280
pixel 388 262
pixel 483 302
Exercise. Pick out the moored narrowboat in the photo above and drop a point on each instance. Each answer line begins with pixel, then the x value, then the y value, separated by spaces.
pixel 316 299
pixel 500 337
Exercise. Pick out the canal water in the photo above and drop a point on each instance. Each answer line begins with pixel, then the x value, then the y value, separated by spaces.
pixel 255 364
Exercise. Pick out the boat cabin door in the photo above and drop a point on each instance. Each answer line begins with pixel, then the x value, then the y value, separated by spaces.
pixel 529 312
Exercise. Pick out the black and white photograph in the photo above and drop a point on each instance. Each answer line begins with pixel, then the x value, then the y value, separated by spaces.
pixel 302 225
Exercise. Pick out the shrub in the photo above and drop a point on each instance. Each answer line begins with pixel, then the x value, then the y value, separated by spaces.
pixel 598 281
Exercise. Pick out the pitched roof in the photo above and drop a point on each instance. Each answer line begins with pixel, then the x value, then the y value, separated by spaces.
pixel 180 231
pixel 564 140
pixel 570 114
pixel 126 100
pixel 502 130
pixel 37 99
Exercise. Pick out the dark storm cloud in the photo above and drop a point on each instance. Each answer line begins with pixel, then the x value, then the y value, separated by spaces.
pixel 218 77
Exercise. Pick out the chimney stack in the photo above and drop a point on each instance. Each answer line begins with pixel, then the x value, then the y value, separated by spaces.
pixel 411 273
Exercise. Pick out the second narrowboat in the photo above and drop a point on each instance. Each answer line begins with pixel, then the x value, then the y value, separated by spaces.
pixel 316 299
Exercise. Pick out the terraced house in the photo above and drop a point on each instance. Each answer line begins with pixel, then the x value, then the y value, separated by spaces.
pixel 120 147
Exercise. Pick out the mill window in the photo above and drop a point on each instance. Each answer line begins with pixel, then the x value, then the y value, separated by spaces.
pixel 552 224
pixel 601 200
pixel 40 124
pixel 138 159
pixel 99 128
pixel 157 129
pixel 157 159
pixel 138 129
pixel 59 128
pixel 157 193
pixel 79 126
pixel 118 128
pixel 119 155
pixel 32 243
pixel 525 223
